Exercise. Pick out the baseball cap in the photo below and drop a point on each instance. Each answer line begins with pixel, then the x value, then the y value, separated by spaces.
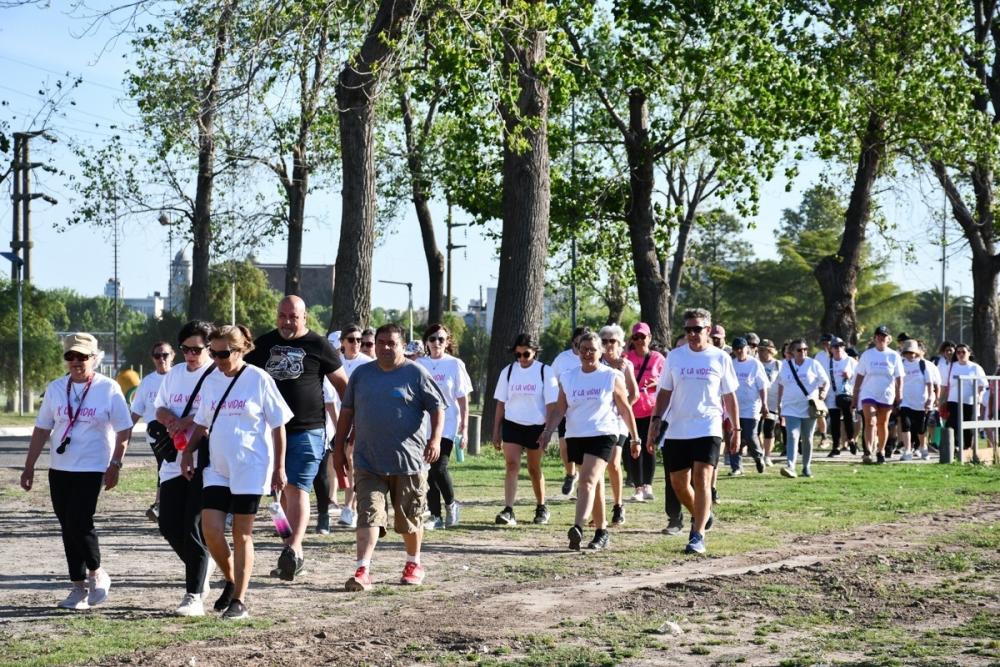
pixel 826 338
pixel 717 332
pixel 837 342
pixel 882 330
pixel 739 342
pixel 640 327
pixel 768 343
pixel 752 338
pixel 81 342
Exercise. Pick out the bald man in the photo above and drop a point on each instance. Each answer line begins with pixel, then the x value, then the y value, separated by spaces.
pixel 298 359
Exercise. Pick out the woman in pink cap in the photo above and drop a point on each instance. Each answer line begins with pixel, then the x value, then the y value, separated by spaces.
pixel 647 364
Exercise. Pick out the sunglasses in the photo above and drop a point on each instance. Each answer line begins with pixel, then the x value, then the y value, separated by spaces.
pixel 608 341
pixel 962 351
pixel 753 345
pixel 368 343
pixel 799 349
pixel 76 356
pixel 639 336
pixel 437 339
pixel 352 339
pixel 693 330
pixel 523 355
pixel 162 355
pixel 191 350
pixel 219 354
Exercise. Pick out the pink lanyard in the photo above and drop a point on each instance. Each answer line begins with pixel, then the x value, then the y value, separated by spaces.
pixel 69 411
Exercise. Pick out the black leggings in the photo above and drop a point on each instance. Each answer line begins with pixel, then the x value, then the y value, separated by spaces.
pixel 321 485
pixel 439 480
pixel 671 505
pixel 180 524
pixel 968 414
pixel 640 470
pixel 74 499
pixel 838 416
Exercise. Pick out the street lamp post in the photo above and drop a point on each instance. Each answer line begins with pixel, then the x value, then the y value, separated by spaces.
pixel 18 263
pixel 409 289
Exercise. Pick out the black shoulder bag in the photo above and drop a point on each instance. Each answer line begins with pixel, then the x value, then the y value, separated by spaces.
pixel 817 408
pixel 163 444
pixel 203 455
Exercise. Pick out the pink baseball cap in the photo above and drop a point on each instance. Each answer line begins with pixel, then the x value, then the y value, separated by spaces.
pixel 718 332
pixel 640 327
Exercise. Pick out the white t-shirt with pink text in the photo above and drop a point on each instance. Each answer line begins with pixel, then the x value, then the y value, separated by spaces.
pixel 527 392
pixel 177 386
pixel 698 381
pixel 880 370
pixel 452 379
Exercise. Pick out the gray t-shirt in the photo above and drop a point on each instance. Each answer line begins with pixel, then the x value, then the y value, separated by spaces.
pixel 389 409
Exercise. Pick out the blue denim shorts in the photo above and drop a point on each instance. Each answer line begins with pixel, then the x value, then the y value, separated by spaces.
pixel 303 454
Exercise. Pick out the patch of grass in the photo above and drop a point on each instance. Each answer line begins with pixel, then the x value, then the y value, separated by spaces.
pixel 8 419
pixel 88 639
pixel 140 480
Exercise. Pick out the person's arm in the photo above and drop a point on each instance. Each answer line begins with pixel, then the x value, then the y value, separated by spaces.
pixel 433 449
pixel 344 423
pixel 338 379
pixel 552 418
pixel 763 404
pixel 858 381
pixel 463 417
pixel 631 386
pixel 114 467
pixel 187 456
pixel 498 414
pixel 621 399
pixel 781 393
pixel 733 408
pixel 331 409
pixel 278 478
pixel 655 420
pixel 39 436
pixel 899 391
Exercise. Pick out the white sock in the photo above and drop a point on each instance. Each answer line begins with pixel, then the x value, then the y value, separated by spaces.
pixel 365 563
pixel 413 559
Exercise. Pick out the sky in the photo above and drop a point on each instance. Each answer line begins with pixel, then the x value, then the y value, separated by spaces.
pixel 82 257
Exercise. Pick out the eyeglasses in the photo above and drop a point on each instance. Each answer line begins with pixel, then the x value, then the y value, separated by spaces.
pixel 962 351
pixel 191 350
pixel 638 336
pixel 799 349
pixel 76 356
pixel 352 339
pixel 220 354
pixel 437 339
pixel 162 355
pixel 523 355
pixel 693 330
pixel 608 341
pixel 367 343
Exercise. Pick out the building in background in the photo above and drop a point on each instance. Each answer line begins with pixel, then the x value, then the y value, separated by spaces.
pixel 180 281
pixel 317 281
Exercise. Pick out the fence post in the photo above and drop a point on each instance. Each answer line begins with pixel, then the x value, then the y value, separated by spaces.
pixel 473 436
pixel 946 447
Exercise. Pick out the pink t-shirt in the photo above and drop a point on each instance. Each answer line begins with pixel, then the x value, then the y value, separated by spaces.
pixel 648 381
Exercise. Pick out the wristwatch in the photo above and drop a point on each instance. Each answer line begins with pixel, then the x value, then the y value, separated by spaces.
pixel 116 463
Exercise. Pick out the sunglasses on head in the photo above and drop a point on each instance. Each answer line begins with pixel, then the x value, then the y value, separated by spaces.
pixel 191 350
pixel 76 356
pixel 162 355
pixel 694 330
pixel 219 354
pixel 437 339
pixel 523 355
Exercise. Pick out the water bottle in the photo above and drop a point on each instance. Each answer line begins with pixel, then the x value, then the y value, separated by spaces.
pixel 180 441
pixel 278 517
pixel 459 450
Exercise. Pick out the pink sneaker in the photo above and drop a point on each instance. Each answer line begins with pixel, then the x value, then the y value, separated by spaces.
pixel 361 581
pixel 413 574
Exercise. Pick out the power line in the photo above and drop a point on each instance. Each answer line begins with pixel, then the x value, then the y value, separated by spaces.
pixel 63 73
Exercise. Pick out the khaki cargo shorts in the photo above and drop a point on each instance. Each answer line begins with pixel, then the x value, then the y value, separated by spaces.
pixel 408 494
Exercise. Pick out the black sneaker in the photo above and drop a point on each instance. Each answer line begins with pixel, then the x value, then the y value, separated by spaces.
pixel 236 611
pixel 506 518
pixel 880 458
pixel 617 515
pixel 853 446
pixel 568 482
pixel 575 537
pixel 833 452
pixel 287 563
pixel 715 495
pixel 759 462
pixel 541 515
pixel 300 569
pixel 710 522
pixel 226 598
pixel 600 540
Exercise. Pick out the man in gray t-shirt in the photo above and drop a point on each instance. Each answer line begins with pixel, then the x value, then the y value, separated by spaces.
pixel 385 404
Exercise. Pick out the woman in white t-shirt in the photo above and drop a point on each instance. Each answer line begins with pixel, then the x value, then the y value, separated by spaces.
pixel 613 343
pixel 176 404
pixel 243 416
pixel 162 354
pixel 526 393
pixel 840 369
pixel 451 377
pixel 793 403
pixel 772 366
pixel 588 397
pixel 85 416
pixel 972 390
pixel 878 389
pixel 564 361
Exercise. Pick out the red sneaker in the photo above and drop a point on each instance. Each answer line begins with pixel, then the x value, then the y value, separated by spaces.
pixel 413 574
pixel 361 581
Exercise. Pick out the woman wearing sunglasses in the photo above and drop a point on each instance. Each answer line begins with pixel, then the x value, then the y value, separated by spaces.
pixel 451 377
pixel 801 380
pixel 180 498
pixel 86 416
pixel 962 366
pixel 647 364
pixel 613 345
pixel 877 390
pixel 143 408
pixel 243 417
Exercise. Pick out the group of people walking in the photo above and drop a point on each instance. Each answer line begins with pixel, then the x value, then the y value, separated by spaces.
pixel 290 412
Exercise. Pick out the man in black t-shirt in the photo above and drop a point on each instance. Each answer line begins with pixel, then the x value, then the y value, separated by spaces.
pixel 299 359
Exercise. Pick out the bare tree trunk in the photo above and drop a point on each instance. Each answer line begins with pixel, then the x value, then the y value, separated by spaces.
pixel 654 293
pixel 525 206
pixel 201 222
pixel 837 274
pixel 356 89
pixel 615 298
pixel 296 193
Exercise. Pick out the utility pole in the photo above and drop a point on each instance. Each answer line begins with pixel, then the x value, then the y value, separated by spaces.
pixel 572 169
pixel 451 246
pixel 23 195
pixel 15 239
pixel 944 266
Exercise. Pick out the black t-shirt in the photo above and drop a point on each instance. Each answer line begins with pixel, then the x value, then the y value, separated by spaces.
pixel 298 366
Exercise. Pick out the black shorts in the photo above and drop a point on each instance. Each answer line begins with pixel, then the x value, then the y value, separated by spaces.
pixel 519 434
pixel 913 421
pixel 767 427
pixel 562 428
pixel 681 454
pixel 220 498
pixel 623 441
pixel 600 446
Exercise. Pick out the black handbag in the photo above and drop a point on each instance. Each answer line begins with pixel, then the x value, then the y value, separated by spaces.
pixel 163 443
pixel 204 457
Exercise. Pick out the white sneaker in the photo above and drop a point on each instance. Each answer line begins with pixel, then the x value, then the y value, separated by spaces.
pixel 77 598
pixel 925 454
pixel 433 523
pixel 736 473
pixel 99 585
pixel 767 462
pixel 191 605
pixel 639 496
pixel 451 514
pixel 647 492
pixel 348 518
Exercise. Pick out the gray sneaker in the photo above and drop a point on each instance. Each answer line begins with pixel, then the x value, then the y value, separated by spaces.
pixel 323 524
pixel 506 517
pixel 451 514
pixel 674 527
pixel 542 515
pixel 788 471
